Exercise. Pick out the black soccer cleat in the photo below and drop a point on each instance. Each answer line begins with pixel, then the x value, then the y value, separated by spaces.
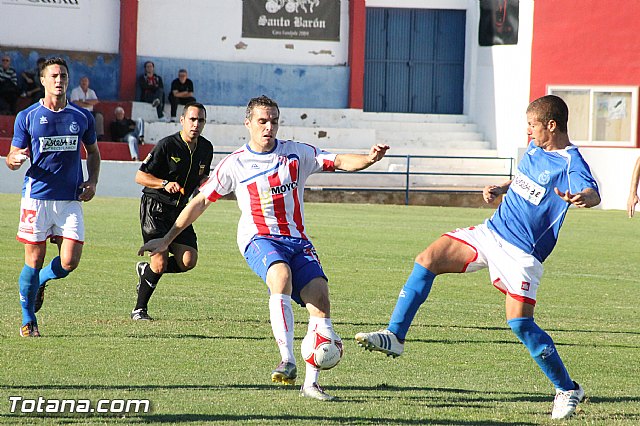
pixel 140 315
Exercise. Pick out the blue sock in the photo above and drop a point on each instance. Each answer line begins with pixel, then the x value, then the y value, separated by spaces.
pixel 413 294
pixel 52 271
pixel 28 289
pixel 543 351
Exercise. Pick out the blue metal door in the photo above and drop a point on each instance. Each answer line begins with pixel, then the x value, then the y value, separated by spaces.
pixel 414 60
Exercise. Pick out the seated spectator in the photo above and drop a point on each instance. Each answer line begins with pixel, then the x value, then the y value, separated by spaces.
pixel 31 85
pixel 181 92
pixel 8 87
pixel 152 88
pixel 86 98
pixel 124 129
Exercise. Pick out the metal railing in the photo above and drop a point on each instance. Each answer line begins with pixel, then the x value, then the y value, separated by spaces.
pixel 408 188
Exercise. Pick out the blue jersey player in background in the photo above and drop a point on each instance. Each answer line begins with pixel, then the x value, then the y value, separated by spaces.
pixel 512 245
pixel 50 133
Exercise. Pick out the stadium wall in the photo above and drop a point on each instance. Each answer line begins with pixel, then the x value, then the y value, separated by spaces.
pixel 86 35
pixel 233 83
pixel 228 69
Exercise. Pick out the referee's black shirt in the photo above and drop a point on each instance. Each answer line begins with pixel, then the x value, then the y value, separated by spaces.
pixel 171 160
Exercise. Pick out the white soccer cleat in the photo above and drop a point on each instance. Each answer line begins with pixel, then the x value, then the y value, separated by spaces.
pixel 316 392
pixel 565 402
pixel 381 341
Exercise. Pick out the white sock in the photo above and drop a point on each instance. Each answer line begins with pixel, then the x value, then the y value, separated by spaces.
pixel 317 322
pixel 281 316
pixel 312 374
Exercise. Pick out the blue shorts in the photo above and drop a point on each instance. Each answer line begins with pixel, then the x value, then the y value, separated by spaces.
pixel 299 254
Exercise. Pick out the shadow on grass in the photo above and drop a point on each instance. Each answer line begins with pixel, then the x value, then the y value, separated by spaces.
pixel 352 420
pixel 268 419
pixel 378 326
pixel 459 393
pixel 432 397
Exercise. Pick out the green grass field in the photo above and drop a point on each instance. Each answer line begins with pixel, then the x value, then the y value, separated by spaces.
pixel 208 356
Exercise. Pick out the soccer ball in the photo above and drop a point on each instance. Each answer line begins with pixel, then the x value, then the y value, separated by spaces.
pixel 322 349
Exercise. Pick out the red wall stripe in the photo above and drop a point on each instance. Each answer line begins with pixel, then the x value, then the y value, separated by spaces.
pixel 357 34
pixel 128 49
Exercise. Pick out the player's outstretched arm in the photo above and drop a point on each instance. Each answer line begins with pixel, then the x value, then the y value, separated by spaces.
pixel 586 198
pixel 93 170
pixel 16 157
pixel 633 190
pixel 491 192
pixel 194 209
pixel 355 162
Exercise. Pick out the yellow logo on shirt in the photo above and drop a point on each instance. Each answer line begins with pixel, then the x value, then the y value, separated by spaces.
pixel 176 159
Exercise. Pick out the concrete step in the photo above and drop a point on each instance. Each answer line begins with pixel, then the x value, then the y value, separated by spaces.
pixel 420 136
pixel 232 135
pixel 332 139
pixel 354 131
pixel 317 117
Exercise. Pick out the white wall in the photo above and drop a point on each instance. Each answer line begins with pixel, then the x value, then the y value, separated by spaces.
pixel 502 86
pixel 496 87
pixel 612 168
pixel 78 25
pixel 212 30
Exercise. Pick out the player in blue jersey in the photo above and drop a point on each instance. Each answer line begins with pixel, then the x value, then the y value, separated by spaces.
pixel 512 244
pixel 49 133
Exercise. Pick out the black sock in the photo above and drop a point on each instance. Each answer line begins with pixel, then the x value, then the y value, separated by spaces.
pixel 149 282
pixel 172 266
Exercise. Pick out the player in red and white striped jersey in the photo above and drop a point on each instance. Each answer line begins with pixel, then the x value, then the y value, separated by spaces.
pixel 268 176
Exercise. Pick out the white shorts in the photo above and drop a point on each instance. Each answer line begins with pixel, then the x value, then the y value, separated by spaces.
pixel 42 219
pixel 512 271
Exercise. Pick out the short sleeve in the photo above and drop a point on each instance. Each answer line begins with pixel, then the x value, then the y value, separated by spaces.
pixel 580 177
pixel 21 137
pixel 323 161
pixel 74 95
pixel 221 181
pixel 155 163
pixel 89 137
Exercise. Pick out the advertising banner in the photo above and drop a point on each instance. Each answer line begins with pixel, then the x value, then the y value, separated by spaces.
pixel 291 19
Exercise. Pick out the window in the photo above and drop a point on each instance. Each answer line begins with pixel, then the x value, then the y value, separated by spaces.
pixel 601 115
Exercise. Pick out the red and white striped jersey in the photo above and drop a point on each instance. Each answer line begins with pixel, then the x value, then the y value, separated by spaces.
pixel 269 187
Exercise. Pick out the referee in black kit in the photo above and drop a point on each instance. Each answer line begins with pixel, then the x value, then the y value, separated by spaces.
pixel 172 171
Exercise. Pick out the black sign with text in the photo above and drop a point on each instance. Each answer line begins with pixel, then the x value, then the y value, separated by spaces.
pixel 291 19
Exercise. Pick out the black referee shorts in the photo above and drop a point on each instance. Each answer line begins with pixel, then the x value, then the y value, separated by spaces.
pixel 157 218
